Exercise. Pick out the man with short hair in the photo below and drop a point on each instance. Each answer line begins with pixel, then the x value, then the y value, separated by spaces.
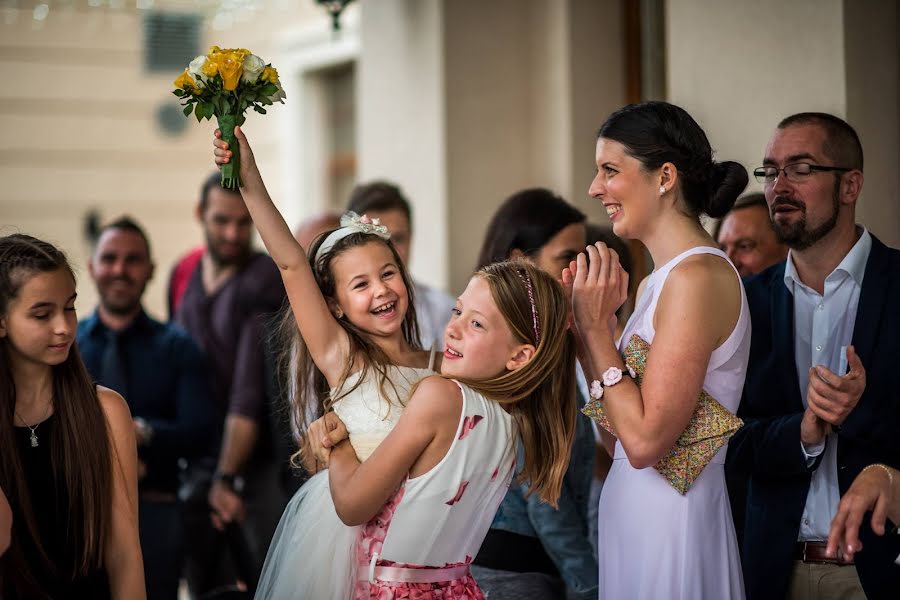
pixel 229 296
pixel 820 397
pixel 747 236
pixel 385 201
pixel 162 375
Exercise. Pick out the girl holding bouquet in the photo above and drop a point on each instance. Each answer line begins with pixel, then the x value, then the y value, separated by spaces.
pixel 655 176
pixel 352 345
pixel 425 496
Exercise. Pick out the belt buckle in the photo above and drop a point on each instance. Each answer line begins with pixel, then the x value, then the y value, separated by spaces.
pixel 804 552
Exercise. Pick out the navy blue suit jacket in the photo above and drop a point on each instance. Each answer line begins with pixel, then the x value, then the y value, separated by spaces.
pixel 767 449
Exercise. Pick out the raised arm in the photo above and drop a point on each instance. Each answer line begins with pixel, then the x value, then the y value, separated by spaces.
pixel 419 441
pixel 326 340
pixel 123 561
pixel 697 310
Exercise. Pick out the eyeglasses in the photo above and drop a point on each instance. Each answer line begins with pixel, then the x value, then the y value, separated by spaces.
pixel 795 172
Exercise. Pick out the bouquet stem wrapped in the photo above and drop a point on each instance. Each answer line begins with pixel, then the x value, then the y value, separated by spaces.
pixel 231 172
pixel 224 84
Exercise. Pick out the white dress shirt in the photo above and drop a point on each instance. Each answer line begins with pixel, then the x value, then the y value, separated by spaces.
pixel 823 328
pixel 433 313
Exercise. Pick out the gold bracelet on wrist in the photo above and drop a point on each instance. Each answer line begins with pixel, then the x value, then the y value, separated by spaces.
pixel 884 468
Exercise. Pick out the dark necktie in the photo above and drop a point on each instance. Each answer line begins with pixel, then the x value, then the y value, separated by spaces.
pixel 112 364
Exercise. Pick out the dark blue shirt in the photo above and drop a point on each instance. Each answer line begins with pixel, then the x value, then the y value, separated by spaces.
pixel 167 386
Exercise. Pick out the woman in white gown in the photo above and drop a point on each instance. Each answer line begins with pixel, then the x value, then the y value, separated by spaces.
pixel 655 176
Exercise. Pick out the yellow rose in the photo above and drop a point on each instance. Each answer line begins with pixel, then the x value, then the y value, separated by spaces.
pixel 209 68
pixel 270 74
pixel 187 83
pixel 229 65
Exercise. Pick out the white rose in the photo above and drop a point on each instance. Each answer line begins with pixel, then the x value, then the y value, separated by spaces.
pixel 196 68
pixel 253 67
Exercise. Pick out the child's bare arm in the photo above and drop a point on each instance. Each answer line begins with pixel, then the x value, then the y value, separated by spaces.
pixel 359 490
pixel 326 340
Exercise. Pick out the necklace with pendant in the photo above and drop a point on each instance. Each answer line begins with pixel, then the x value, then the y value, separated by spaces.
pixel 34 437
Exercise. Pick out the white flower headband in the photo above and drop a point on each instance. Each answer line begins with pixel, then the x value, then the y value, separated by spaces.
pixel 352 223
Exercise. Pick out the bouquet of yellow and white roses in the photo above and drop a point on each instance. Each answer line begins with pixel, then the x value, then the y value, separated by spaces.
pixel 225 83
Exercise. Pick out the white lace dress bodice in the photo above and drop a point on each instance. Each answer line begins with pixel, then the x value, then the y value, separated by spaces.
pixel 370 408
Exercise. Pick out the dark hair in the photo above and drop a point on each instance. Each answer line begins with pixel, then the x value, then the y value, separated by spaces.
pixel 603 233
pixel 526 221
pixel 841 144
pixel 295 365
pixel 658 132
pixel 379 196
pixel 80 451
pixel 213 181
pixel 754 200
pixel 124 223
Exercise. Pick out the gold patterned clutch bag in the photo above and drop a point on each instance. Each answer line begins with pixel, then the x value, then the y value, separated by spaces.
pixel 710 427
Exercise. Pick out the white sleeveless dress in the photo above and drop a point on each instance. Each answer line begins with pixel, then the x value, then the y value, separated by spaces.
pixel 654 542
pixel 421 543
pixel 312 552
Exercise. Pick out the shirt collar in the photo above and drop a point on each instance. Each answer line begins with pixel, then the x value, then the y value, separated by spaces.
pixel 854 263
pixel 94 325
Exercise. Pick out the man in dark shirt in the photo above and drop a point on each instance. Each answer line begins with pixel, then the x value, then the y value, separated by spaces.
pixel 162 375
pixel 230 296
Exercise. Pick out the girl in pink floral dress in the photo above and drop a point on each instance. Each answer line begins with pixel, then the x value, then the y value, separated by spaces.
pixel 427 495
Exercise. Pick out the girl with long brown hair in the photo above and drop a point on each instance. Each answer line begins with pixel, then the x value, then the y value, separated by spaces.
pixel 68 458
pixel 352 347
pixel 427 495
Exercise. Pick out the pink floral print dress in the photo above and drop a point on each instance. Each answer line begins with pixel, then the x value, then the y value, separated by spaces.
pixel 422 541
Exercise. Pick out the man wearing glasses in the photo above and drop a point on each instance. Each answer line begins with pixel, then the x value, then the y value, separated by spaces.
pixel 822 395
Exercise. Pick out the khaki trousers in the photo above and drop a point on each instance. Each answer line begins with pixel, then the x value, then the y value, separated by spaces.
pixel 816 581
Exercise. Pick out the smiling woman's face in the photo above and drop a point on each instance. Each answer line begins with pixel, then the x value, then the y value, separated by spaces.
pixel 625 188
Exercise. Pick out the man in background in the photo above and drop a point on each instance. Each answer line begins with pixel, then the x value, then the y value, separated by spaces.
pixel 746 235
pixel 162 375
pixel 228 297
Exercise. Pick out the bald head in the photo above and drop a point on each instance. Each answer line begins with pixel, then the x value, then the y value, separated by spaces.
pixel 307 231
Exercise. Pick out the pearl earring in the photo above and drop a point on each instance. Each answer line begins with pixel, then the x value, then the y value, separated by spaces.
pixel 662 189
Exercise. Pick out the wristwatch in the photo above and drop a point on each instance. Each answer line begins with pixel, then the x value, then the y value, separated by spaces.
pixel 233 481
pixel 611 377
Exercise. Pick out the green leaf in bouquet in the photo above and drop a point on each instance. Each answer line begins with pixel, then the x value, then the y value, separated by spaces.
pixel 259 109
pixel 178 92
pixel 187 110
pixel 208 109
pixel 266 100
pixel 269 89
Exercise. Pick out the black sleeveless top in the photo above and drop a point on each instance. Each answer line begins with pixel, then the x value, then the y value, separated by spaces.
pixel 49 500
